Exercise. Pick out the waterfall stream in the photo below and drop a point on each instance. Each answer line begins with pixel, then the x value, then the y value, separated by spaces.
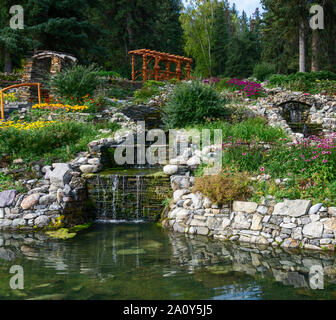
pixel 130 195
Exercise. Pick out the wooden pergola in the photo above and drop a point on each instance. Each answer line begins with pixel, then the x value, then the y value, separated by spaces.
pixel 158 74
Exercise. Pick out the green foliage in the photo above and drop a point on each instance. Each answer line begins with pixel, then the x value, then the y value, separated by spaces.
pixel 313 82
pixel 153 83
pixel 240 63
pixel 77 82
pixel 192 103
pixel 61 141
pixel 263 70
pixel 144 94
pixel 109 74
pixel 253 129
pixel 224 188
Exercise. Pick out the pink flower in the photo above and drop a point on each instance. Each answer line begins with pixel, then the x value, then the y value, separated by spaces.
pixel 244 154
pixel 262 169
pixel 325 161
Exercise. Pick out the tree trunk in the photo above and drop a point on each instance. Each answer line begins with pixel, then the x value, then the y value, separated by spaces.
pixel 129 30
pixel 315 48
pixel 302 49
pixel 8 62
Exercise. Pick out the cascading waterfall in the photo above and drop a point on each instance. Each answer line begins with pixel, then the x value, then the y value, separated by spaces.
pixel 128 195
pixel 138 187
pixel 115 185
pixel 297 116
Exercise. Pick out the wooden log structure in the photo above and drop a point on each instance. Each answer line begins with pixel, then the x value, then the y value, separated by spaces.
pixel 158 74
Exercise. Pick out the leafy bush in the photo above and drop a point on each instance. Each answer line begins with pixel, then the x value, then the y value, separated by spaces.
pixel 253 129
pixel 224 188
pixel 76 82
pixel 142 95
pixel 153 83
pixel 192 103
pixel 109 74
pixel 60 139
pixel 313 82
pixel 263 70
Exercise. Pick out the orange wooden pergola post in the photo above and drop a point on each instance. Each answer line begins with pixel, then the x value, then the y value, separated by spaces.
pixel 38 85
pixel 133 68
pixel 167 58
pixel 144 67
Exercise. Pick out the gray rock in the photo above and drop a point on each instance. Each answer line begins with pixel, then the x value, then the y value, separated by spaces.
pixel 7 254
pixel 204 231
pixel 47 199
pixel 262 209
pixel 5 223
pixel 314 209
pixel 18 223
pixel 179 193
pixel 60 176
pixel 170 169
pixel 42 221
pixel 241 221
pixel 297 234
pixel 243 206
pixel 87 168
pixel 293 208
pixel 7 198
pixel 313 230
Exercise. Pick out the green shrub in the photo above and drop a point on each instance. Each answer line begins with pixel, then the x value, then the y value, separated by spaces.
pixel 263 70
pixel 61 140
pixel 153 83
pixel 224 188
pixel 143 94
pixel 192 103
pixel 76 82
pixel 313 82
pixel 113 74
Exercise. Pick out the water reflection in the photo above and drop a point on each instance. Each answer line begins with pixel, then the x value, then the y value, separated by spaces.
pixel 142 261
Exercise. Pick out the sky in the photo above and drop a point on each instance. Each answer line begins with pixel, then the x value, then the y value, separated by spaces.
pixel 248 6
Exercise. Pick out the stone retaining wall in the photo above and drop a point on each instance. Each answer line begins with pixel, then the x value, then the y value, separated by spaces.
pixel 289 224
pixel 59 194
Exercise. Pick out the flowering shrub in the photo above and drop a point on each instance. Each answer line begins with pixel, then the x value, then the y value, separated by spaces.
pixel 10 97
pixel 60 106
pixel 211 81
pixel 250 89
pixel 22 125
pixel 309 166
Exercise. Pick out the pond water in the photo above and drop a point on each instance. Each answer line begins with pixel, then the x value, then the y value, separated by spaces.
pixel 143 261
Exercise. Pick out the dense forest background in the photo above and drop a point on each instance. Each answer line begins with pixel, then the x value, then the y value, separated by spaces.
pixel 221 41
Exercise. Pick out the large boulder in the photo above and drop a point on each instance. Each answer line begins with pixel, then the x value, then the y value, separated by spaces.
pixel 293 208
pixel 7 197
pixel 61 175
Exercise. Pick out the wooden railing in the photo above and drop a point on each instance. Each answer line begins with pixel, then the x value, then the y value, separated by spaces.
pixel 38 85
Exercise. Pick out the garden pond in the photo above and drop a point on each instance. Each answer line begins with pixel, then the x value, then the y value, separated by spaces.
pixel 122 261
